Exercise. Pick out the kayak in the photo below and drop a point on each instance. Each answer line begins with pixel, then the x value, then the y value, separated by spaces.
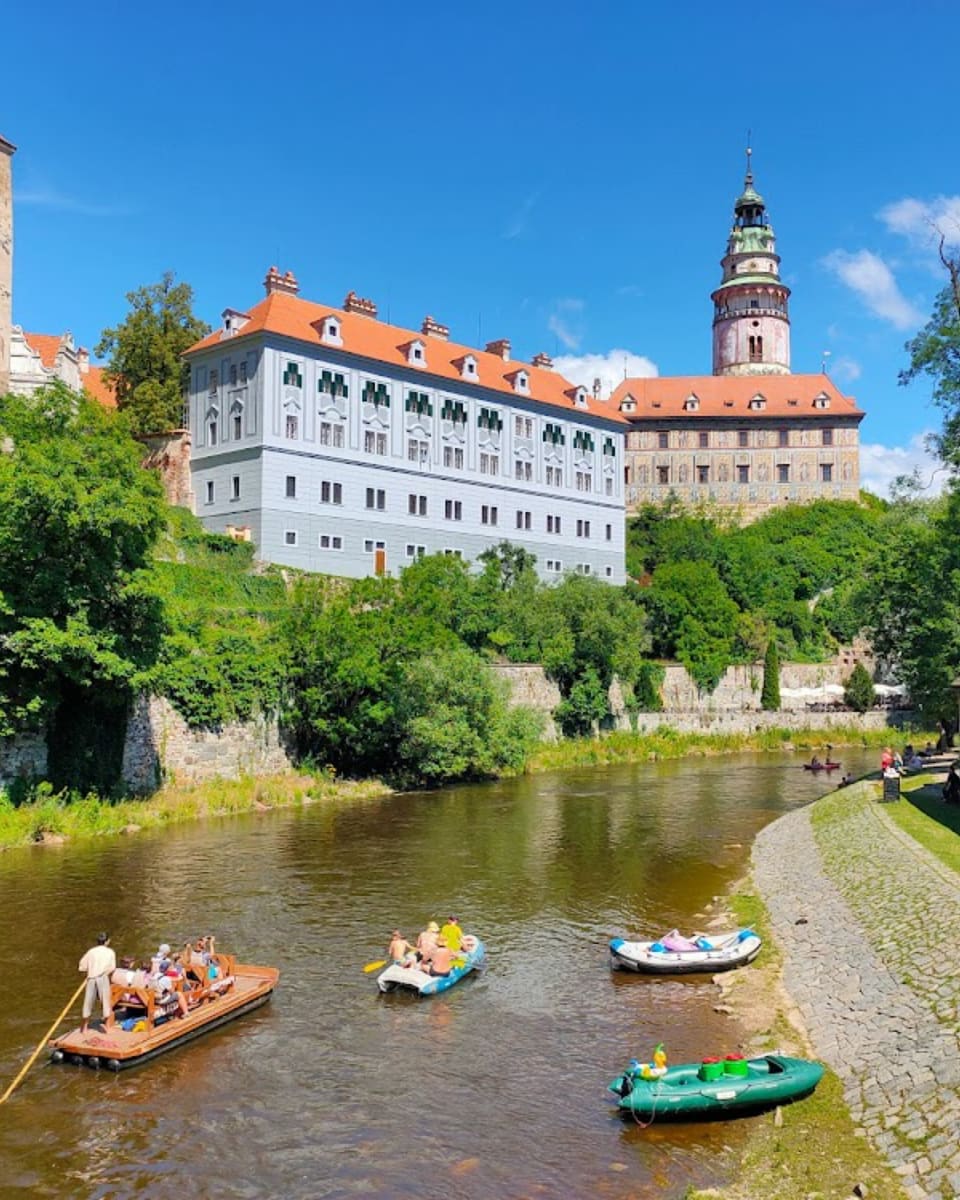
pixel 675 955
pixel 827 766
pixel 736 1085
pixel 398 977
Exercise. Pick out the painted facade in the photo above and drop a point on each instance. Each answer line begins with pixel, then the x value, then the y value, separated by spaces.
pixel 752 435
pixel 341 444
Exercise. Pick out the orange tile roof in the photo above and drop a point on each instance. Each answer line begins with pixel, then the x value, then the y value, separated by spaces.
pixel 293 317
pixel 46 345
pixel 664 396
pixel 94 383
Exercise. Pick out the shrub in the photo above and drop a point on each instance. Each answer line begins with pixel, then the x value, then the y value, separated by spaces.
pixel 770 695
pixel 859 693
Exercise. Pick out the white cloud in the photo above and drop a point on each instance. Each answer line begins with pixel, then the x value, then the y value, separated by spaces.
pixel 610 368
pixel 845 369
pixel 46 197
pixel 869 276
pixel 563 322
pixel 880 466
pixel 922 221
pixel 517 225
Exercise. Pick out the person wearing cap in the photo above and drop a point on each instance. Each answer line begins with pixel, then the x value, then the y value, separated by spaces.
pixel 99 962
pixel 427 940
pixel 161 960
pixel 451 934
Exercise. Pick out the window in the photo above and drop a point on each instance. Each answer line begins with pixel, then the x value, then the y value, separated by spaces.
pixel 608 485
pixel 754 303
pixel 237 427
pixel 289 537
pixel 376 498
pixel 583 568
pixel 333 384
pixel 453 510
pixel 488 514
pixel 783 473
pixel 374 443
pixel 233 376
pixel 214 381
pixel 453 553
pixel 292 376
pixel 583 529
pixel 293 426
pixel 453 457
pixel 608 571
pixel 290 490
pixel 418 451
pixel 554 565
pixel 609 533
pixel 663 441
pixel 523 519
pixel 331 493
pixel 554 477
pixel 415 551
pixel 416 505
pixel 331 434
pixel 370 545
pixel 743 437
pixel 553 523
pixel 489 464
pixel 743 474
pixel 756 344
pixel 419 403
pixel 243 372
pixel 584 481
pixel 826 472
pixel 784 437
pixel 330 541
pixel 703 439
pixel 703 474
pixel 210 491
pixel 235 487
pixel 523 470
pixel 523 427
pixel 663 475
pixel 212 431
pixel 828 437
pixel 377 394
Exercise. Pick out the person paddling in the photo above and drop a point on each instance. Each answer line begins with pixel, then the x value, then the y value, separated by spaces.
pixel 99 962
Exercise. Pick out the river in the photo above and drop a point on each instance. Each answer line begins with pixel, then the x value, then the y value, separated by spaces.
pixel 493 1090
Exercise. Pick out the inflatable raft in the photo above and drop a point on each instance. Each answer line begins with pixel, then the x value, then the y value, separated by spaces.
pixel 674 954
pixel 710 1088
pixel 398 977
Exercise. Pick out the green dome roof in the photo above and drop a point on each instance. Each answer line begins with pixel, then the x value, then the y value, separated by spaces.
pixel 749 198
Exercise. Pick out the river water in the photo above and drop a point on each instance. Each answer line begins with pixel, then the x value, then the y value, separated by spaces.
pixel 495 1089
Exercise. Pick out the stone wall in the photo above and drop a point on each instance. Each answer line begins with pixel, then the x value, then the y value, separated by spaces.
pixel 22 758
pixel 169 455
pixel 530 687
pixel 161 747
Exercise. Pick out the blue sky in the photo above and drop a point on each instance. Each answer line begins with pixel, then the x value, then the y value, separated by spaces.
pixel 559 174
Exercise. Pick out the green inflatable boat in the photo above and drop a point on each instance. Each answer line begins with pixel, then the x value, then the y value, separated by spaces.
pixel 715 1087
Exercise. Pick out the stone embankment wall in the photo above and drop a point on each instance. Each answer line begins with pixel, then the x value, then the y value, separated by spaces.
pixel 22 758
pixel 529 686
pixel 863 915
pixel 169 455
pixel 161 746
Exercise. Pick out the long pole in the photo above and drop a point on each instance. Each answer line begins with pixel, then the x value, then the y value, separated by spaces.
pixel 46 1037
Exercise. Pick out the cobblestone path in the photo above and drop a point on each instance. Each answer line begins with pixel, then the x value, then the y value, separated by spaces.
pixel 868 921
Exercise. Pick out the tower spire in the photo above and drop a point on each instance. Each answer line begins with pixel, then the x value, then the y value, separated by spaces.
pixel 748 178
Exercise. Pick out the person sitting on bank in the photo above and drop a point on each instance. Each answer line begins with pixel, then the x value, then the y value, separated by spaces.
pixel 99 962
pixel 427 940
pixel 439 961
pixel 399 947
pixel 451 933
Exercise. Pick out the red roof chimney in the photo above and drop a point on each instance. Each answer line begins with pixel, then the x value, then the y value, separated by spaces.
pixel 352 303
pixel 433 328
pixel 543 360
pixel 500 348
pixel 275 282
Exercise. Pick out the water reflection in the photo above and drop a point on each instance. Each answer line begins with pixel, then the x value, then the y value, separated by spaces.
pixel 494 1089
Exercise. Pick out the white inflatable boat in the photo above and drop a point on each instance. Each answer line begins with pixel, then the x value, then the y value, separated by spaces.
pixel 674 954
pixel 398 977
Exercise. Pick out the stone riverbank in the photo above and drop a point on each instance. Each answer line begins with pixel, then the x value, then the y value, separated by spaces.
pixel 867 920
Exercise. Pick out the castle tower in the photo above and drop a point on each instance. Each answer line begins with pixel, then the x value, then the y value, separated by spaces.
pixel 751 325
pixel 6 260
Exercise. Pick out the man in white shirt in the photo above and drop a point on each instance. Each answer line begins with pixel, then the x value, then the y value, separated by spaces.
pixel 99 962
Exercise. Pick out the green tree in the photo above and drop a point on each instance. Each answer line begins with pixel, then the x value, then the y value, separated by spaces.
pixel 859 693
pixel 78 518
pixel 145 354
pixel 770 693
pixel 584 707
pixel 693 619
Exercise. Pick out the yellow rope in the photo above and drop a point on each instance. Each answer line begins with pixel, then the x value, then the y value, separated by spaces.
pixel 46 1037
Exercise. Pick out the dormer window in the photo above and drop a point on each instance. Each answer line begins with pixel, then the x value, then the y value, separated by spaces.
pixel 628 404
pixel 521 382
pixel 821 401
pixel 757 402
pixel 331 331
pixel 468 367
pixel 233 322
pixel 692 403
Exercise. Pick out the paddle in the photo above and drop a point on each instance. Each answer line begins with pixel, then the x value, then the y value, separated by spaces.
pixel 374 966
pixel 43 1041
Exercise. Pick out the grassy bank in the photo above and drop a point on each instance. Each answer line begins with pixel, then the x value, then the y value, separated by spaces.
pixel 813 1148
pixel 53 817
pixel 668 743
pixel 923 815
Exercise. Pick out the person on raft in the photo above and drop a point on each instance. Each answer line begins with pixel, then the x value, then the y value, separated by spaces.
pixel 815 761
pixel 438 961
pixel 399 947
pixel 452 934
pixel 99 962
pixel 427 940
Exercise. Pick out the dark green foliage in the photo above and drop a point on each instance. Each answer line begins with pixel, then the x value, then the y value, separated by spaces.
pixel 85 740
pixel 935 352
pixel 859 694
pixel 584 707
pixel 692 619
pixel 145 363
pixel 770 693
pixel 78 517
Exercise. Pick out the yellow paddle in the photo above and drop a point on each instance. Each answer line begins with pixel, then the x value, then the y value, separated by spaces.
pixel 43 1041
pixel 374 966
